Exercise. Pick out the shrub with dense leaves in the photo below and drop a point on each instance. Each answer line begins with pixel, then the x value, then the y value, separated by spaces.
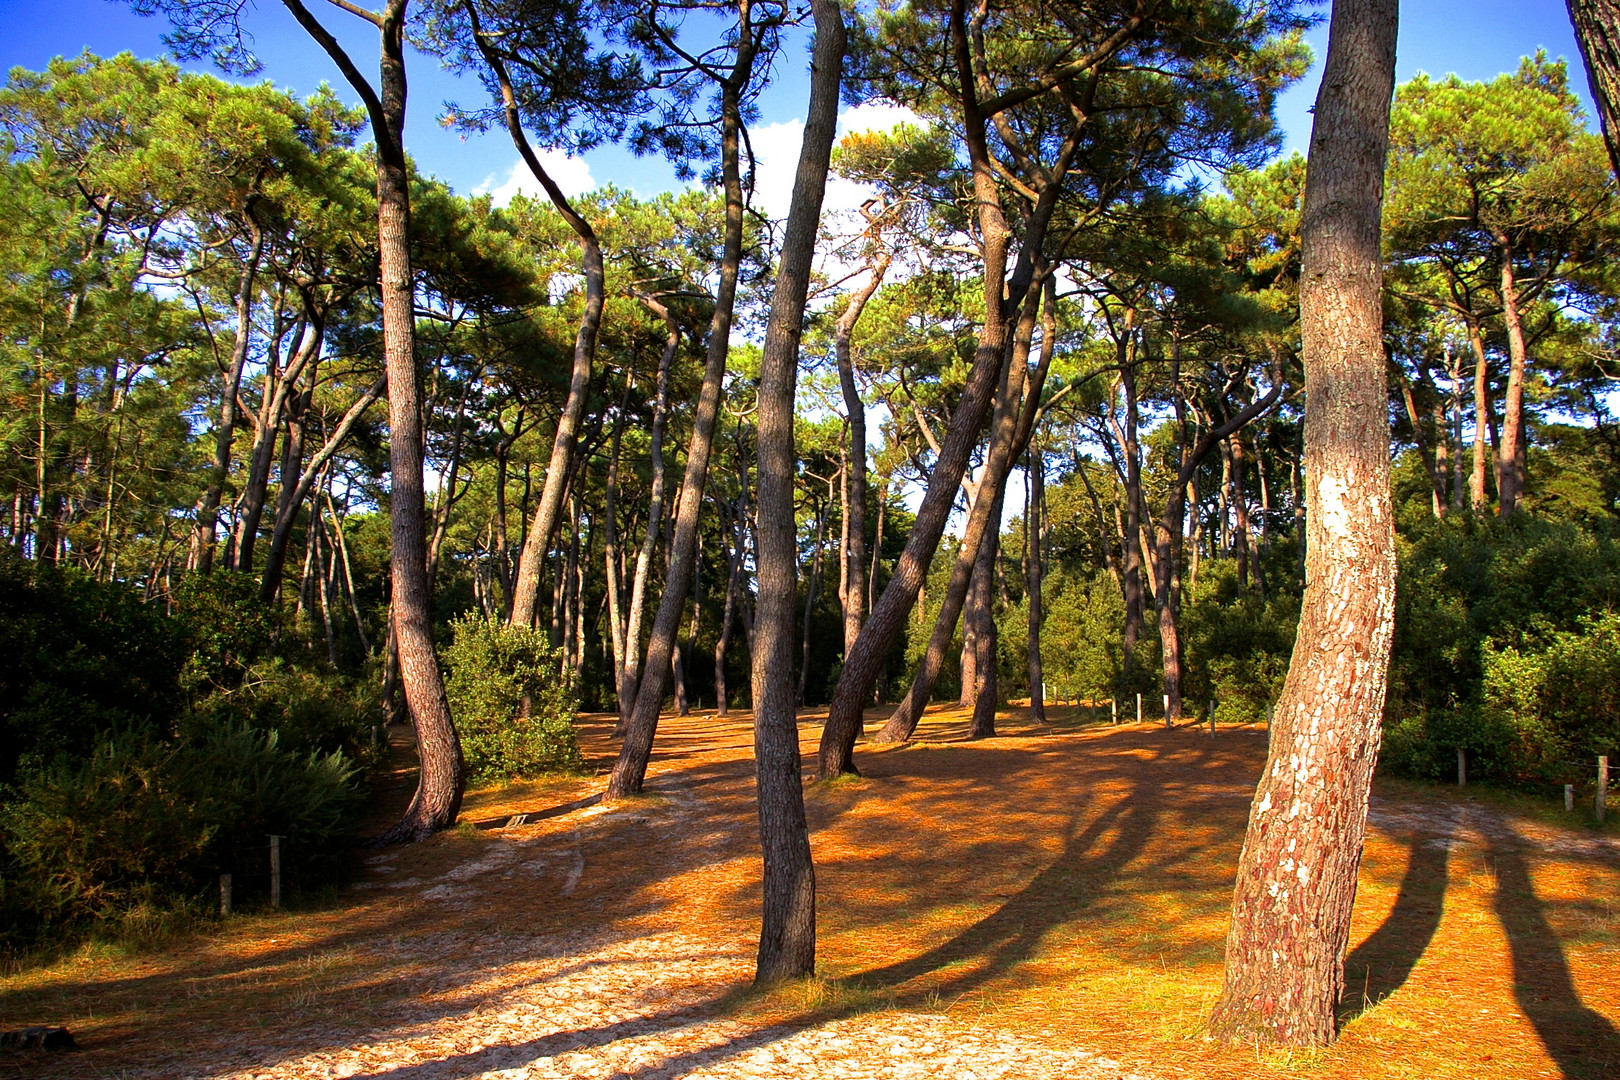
pixel 513 710
pixel 143 823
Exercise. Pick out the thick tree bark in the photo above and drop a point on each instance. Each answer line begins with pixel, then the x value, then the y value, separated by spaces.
pixel 1597 28
pixel 1297 874
pixel 787 939
pixel 631 768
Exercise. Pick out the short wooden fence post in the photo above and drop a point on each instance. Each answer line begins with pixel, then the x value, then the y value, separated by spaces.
pixel 275 871
pixel 224 894
pixel 1603 786
pixel 1462 767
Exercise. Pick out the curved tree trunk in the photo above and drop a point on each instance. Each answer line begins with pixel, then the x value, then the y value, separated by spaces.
pixel 536 544
pixel 1297 874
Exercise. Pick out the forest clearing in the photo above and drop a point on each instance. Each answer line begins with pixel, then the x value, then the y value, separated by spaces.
pixel 1081 563
pixel 1047 904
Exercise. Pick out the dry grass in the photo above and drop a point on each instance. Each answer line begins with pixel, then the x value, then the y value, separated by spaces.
pixel 1069 883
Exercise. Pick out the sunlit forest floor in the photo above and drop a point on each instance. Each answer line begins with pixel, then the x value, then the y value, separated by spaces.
pixel 986 908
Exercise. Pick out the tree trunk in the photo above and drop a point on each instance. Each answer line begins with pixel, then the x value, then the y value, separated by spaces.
pixel 439 783
pixel 1002 296
pixel 1131 549
pixel 1034 515
pixel 1597 28
pixel 1006 439
pixel 537 542
pixel 225 434
pixel 787 939
pixel 631 768
pixel 1297 874
pixel 1478 498
pixel 810 595
pixel 987 689
pixel 629 674
pixel 1510 455
pixel 853 572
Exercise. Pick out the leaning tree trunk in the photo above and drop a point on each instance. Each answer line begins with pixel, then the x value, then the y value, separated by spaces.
pixel 1297 875
pixel 1009 430
pixel 787 939
pixel 631 768
pixel 1597 28
pixel 987 688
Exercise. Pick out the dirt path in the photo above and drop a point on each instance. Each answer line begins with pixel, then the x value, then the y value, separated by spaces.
pixel 1048 904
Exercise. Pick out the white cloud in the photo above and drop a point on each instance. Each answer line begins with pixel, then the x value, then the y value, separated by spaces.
pixel 572 174
pixel 776 149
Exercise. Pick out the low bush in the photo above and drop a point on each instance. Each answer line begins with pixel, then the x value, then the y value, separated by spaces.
pixel 143 824
pixel 513 710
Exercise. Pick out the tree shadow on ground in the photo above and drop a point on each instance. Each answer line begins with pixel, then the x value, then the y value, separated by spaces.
pixel 1583 1042
pixel 1381 964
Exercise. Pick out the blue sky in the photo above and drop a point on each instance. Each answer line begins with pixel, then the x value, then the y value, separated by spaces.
pixel 1477 39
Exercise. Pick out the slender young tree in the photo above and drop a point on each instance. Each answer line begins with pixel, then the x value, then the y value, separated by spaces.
pixel 1296 879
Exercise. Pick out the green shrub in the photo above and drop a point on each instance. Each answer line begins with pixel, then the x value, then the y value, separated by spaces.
pixel 77 658
pixel 513 710
pixel 140 823
pixel 309 711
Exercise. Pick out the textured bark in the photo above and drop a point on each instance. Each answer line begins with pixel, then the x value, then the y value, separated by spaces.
pixel 1297 875
pixel 279 383
pixel 1131 548
pixel 1597 28
pixel 642 726
pixel 787 939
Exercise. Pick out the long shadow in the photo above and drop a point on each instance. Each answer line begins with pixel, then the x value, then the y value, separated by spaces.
pixel 1583 1042
pixel 516 1055
pixel 1011 934
pixel 1381 965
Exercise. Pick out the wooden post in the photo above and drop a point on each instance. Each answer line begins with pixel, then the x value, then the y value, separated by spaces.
pixel 1212 718
pixel 224 894
pixel 1603 786
pixel 275 871
pixel 1113 711
pixel 1462 767
pixel 1138 708
pixel 1167 712
pixel 1569 798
